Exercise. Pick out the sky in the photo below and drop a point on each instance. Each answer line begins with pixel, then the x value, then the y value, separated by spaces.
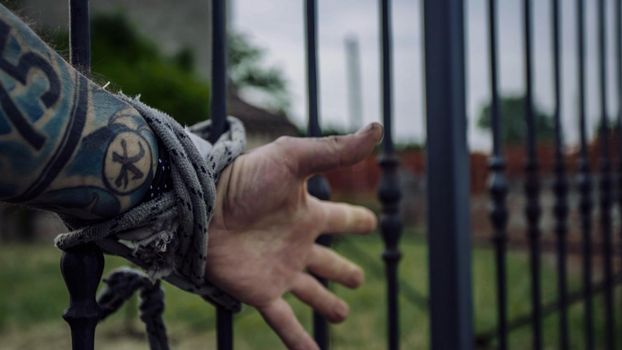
pixel 278 27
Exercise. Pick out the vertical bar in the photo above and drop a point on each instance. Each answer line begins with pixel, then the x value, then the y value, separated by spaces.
pixel 618 39
pixel 82 267
pixel 224 327
pixel 560 184
pixel 389 190
pixel 497 185
pixel 314 129
pixel 605 176
pixel 584 182
pixel 224 318
pixel 219 68
pixel 80 35
pixel 448 177
pixel 317 185
pixel 532 184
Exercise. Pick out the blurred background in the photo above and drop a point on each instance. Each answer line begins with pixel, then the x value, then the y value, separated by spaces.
pixel 161 50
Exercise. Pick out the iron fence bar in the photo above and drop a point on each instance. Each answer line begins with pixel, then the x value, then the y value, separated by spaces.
pixel 448 177
pixel 584 182
pixel 532 184
pixel 618 39
pixel 80 35
pixel 389 191
pixel 224 318
pixel 317 185
pixel 497 182
pixel 484 338
pixel 560 184
pixel 605 176
pixel 219 69
pixel 82 266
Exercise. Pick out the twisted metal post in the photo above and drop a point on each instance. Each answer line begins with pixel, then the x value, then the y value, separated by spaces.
pixel 497 184
pixel 605 184
pixel 81 267
pixel 389 191
pixel 560 184
pixel 584 183
pixel 532 184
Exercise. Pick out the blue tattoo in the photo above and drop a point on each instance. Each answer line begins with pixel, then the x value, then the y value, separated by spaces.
pixel 66 144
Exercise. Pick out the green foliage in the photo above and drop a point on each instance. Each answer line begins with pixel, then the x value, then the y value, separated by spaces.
pixel 135 65
pixel 246 71
pixel 512 111
pixel 33 297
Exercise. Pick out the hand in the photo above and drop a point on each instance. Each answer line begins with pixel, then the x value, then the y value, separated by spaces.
pixel 262 236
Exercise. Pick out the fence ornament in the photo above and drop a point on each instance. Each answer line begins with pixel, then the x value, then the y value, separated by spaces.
pixel 152 235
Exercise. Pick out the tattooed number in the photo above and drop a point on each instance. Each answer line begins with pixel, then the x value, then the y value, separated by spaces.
pixel 29 60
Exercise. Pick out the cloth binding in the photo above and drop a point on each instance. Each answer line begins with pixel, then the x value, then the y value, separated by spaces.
pixel 167 235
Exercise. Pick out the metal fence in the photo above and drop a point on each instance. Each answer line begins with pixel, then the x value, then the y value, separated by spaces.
pixel 450 300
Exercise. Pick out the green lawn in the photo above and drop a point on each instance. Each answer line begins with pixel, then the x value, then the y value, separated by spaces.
pixel 32 298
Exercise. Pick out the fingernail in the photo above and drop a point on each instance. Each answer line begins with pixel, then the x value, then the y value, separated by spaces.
pixel 381 134
pixel 366 128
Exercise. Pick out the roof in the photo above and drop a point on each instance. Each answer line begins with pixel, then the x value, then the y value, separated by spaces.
pixel 260 121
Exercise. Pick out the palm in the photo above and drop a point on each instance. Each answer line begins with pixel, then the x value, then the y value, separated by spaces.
pixel 261 238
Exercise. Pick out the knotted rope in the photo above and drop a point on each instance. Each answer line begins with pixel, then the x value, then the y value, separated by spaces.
pixel 167 235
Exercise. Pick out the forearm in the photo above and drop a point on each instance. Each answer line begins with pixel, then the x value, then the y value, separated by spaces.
pixel 66 144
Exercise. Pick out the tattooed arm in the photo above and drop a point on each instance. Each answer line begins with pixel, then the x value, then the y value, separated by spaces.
pixel 66 144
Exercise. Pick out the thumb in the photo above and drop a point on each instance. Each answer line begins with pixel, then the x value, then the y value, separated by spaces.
pixel 315 155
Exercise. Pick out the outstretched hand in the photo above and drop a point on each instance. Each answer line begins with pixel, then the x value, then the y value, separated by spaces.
pixel 262 236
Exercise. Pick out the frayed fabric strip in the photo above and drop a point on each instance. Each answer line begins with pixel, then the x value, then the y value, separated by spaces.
pixel 167 235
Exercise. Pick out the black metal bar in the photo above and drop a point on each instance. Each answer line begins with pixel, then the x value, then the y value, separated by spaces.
pixel 219 69
pixel 317 185
pixel 560 184
pixel 618 39
pixel 224 327
pixel 224 318
pixel 312 76
pixel 80 35
pixel 497 185
pixel 605 176
pixel 389 191
pixel 449 235
pixel 483 339
pixel 532 184
pixel 82 268
pixel 584 182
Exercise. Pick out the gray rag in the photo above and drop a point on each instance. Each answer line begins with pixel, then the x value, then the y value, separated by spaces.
pixel 167 236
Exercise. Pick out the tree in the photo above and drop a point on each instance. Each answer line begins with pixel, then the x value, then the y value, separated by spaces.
pixel 513 130
pixel 135 64
pixel 246 71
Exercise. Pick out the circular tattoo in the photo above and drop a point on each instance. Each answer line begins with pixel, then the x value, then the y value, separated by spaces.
pixel 128 162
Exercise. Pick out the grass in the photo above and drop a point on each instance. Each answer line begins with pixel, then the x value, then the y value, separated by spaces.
pixel 32 298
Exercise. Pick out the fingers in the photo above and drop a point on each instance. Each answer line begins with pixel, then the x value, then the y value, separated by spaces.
pixel 330 265
pixel 316 155
pixel 344 218
pixel 313 293
pixel 280 316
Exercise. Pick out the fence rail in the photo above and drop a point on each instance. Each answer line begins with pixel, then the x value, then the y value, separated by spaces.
pixel 450 297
